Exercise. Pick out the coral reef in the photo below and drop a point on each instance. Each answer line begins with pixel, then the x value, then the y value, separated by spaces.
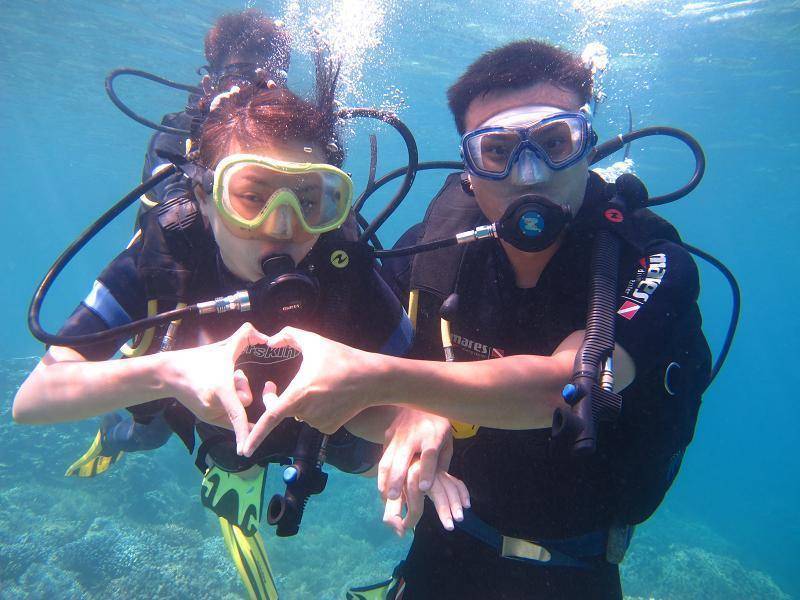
pixel 676 558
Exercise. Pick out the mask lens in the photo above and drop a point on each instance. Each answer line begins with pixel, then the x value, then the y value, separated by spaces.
pixel 491 151
pixel 248 189
pixel 252 191
pixel 560 139
pixel 319 196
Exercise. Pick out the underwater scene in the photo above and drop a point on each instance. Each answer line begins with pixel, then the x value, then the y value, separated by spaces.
pixel 726 72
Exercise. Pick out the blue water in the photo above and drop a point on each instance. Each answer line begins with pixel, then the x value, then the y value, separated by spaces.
pixel 726 72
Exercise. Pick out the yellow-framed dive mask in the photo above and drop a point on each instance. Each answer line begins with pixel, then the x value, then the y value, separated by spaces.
pixel 255 192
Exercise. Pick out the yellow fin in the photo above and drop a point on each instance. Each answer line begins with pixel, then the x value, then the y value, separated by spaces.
pixel 92 463
pixel 250 557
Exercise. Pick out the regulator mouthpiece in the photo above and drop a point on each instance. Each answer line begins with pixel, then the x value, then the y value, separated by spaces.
pixel 533 223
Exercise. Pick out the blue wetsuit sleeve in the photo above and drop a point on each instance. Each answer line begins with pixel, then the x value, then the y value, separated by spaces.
pixel 116 297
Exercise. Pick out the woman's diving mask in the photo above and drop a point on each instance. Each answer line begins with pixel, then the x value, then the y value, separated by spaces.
pixel 258 193
pixel 527 143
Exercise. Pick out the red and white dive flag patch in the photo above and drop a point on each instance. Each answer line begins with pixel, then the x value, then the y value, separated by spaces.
pixel 628 310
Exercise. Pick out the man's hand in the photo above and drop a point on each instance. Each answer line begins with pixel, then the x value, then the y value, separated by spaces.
pixel 330 388
pixel 203 379
pixel 449 495
pixel 414 433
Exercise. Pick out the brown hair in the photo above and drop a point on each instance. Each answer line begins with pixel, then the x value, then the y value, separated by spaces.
pixel 514 66
pixel 260 113
pixel 247 33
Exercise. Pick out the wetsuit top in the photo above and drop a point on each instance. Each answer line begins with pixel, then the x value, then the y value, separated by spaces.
pixel 356 308
pixel 516 483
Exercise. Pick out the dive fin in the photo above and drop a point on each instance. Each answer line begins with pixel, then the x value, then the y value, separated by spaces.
pixel 93 462
pixel 236 497
pixel 391 589
pixel 250 557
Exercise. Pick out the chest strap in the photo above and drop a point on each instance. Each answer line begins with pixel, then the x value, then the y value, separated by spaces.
pixel 580 552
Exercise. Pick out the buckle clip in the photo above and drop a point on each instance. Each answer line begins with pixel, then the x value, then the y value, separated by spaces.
pixel 524 550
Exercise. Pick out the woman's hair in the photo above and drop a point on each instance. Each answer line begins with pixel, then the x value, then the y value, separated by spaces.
pixel 264 112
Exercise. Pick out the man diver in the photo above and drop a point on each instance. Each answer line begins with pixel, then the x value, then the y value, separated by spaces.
pixel 241 47
pixel 543 524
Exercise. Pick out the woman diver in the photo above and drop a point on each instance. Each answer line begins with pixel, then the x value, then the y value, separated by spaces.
pixel 273 202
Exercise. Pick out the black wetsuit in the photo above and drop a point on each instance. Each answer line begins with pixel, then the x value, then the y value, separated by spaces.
pixel 356 308
pixel 517 484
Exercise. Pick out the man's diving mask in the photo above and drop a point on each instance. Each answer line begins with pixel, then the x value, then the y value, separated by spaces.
pixel 254 192
pixel 246 73
pixel 526 142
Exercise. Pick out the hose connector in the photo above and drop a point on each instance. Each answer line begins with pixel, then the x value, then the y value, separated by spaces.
pixel 479 233
pixel 240 301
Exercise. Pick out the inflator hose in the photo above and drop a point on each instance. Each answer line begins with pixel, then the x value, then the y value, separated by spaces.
pixel 610 147
pixel 580 422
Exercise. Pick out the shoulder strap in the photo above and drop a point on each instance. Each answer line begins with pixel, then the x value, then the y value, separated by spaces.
pixel 450 212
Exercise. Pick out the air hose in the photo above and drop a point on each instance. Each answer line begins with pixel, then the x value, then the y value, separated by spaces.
pixel 590 393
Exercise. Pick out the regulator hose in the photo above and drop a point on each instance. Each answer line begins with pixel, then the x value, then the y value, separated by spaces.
pixel 34 323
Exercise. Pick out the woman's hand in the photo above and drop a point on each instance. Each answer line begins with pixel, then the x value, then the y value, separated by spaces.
pixel 205 381
pixel 449 495
pixel 334 383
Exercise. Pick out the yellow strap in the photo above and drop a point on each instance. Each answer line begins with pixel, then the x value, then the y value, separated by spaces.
pixel 413 307
pixel 460 430
pixel 463 431
pixel 136 237
pixel 146 339
pixel 143 198
pixel 447 341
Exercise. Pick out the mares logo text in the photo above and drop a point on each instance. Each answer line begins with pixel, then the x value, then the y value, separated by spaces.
pixel 646 283
pixel 476 348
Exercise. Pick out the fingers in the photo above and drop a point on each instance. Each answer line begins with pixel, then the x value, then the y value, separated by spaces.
pixel 236 414
pixel 453 495
pixel 441 502
pixel 463 492
pixel 384 467
pixel 266 422
pixel 392 516
pixel 428 464
pixel 290 336
pixel 446 453
pixel 415 499
pixel 245 336
pixel 398 470
pixel 242 387
pixel 270 388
